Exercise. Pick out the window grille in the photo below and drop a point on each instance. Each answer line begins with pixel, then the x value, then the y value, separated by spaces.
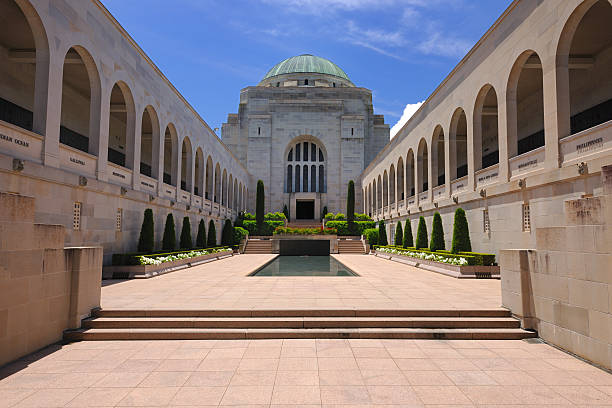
pixel 76 216
pixel 526 218
pixel 485 221
pixel 119 218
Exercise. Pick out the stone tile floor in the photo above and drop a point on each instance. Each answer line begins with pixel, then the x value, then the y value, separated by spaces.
pixel 309 373
pixel 223 284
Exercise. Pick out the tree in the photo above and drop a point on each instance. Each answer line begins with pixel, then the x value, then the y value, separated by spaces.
pixel 259 206
pixel 382 234
pixel 146 242
pixel 286 211
pixel 186 241
pixel 399 234
pixel 408 241
pixel 212 235
pixel 169 239
pixel 421 241
pixel 350 208
pixel 227 235
pixel 323 213
pixel 461 233
pixel 201 238
pixel 437 233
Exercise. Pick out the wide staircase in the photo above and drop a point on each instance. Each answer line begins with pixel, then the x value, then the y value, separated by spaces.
pixel 304 224
pixel 491 324
pixel 258 246
pixel 350 246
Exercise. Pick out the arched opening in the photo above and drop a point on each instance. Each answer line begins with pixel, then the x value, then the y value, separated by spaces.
pixel 224 188
pixel 422 166
pixel 526 105
pixel 121 126
pixel 385 191
pixel 240 197
pixel 437 157
pixel 289 179
pixel 80 116
pixel 198 189
pixel 149 143
pixel 379 194
pixel 209 179
pixel 186 165
pixel 410 173
pixel 301 173
pixel 458 145
pixel 305 169
pixel 298 183
pixel 217 195
pixel 400 180
pixel 24 52
pixel 235 196
pixel 230 191
pixel 585 48
pixel 392 185
pixel 170 159
pixel 486 140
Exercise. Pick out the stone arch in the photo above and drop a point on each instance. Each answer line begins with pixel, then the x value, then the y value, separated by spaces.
pixel 121 126
pixel 170 167
pixel 422 167
pixel 385 189
pixel 458 145
pixel 401 182
pixel 392 185
pixel 438 161
pixel 209 182
pixel 217 195
pixel 198 188
pixel 305 165
pixel 224 188
pixel 186 164
pixel 410 174
pixel 149 143
pixel 486 128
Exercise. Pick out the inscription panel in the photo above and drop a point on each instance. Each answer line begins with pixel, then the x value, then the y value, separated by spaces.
pixel 21 145
pixel 77 161
pixel 591 141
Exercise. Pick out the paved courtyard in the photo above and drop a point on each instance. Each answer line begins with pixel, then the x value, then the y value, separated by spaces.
pixel 224 284
pixel 312 373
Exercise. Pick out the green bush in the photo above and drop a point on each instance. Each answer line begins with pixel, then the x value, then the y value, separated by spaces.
pixel 305 231
pixel 186 241
pixel 239 234
pixel 339 217
pixel 421 241
pixel 227 234
pixel 350 202
pixel 267 227
pixel 324 212
pixel 437 233
pixel 472 260
pixel 134 258
pixel 461 233
pixel 481 259
pixel 260 205
pixel 248 216
pixel 286 211
pixel 146 242
pixel 362 217
pixel 408 241
pixel 371 235
pixel 169 239
pixel 275 216
pixel 212 235
pixel 343 228
pixel 201 237
pixel 399 234
pixel 382 233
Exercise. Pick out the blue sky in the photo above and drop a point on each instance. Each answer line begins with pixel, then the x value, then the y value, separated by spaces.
pixel 400 49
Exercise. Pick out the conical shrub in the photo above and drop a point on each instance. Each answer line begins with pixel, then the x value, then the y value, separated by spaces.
pixel 146 242
pixel 382 234
pixel 227 235
pixel 421 240
pixel 408 240
pixel 461 233
pixel 437 233
pixel 186 241
pixel 260 206
pixel 211 242
pixel 399 234
pixel 201 237
pixel 169 239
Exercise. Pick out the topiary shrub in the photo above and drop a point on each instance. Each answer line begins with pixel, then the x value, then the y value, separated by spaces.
pixel 382 234
pixel 324 213
pixel 399 234
pixel 350 202
pixel 461 233
pixel 201 237
pixel 186 241
pixel 239 234
pixel 146 242
pixel 408 242
pixel 227 234
pixel 211 242
pixel 169 239
pixel 437 233
pixel 421 240
pixel 371 235
pixel 260 205
pixel 286 211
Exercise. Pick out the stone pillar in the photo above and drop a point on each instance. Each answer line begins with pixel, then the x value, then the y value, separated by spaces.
pixel 516 285
pixel 447 165
pixel 48 108
pixel 470 151
pixel 102 140
pixel 502 137
pixel 85 266
pixel 429 173
pixel 136 153
pixel 177 159
pixel 160 160
pixel 556 122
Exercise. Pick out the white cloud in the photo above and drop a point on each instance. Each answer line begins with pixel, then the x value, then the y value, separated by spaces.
pixel 438 44
pixel 409 110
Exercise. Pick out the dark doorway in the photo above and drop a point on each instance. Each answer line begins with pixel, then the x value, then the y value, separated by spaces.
pixel 304 247
pixel 304 210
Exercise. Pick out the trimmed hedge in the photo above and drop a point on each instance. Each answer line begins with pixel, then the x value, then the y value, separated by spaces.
pixel 473 258
pixel 201 237
pixel 421 240
pixel 437 233
pixel 267 229
pixel 371 235
pixel 186 241
pixel 408 240
pixel 343 227
pixel 342 217
pixel 211 242
pixel 350 202
pixel 461 233
pixel 146 242
pixel 259 205
pixel 305 231
pixel 399 234
pixel 382 233
pixel 133 258
pixel 239 234
pixel 275 216
pixel 227 234
pixel 169 239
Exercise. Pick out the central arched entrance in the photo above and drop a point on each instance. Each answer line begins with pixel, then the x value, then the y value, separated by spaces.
pixel 305 178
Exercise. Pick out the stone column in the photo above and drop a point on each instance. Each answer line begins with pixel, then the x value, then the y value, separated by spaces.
pixel 429 173
pixel 502 137
pixel 136 152
pixel 556 122
pixel 470 152
pixel 102 141
pixel 48 104
pixel 160 160
pixel 177 159
pixel 447 167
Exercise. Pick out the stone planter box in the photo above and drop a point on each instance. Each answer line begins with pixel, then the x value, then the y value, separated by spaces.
pixel 149 271
pixel 456 271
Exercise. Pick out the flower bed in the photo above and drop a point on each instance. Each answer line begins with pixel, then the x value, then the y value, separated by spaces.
pixel 305 231
pixel 456 265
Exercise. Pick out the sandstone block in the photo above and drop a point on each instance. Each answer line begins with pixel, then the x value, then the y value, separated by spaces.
pixel 571 317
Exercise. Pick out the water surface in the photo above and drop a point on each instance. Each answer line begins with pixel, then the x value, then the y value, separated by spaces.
pixel 304 266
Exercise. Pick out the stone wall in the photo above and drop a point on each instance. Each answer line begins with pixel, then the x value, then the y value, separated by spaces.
pixel 563 288
pixel 44 287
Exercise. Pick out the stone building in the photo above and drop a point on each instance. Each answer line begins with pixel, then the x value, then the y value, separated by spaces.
pixel 305 130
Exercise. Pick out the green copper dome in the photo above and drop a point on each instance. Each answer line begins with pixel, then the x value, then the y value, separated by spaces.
pixel 306 63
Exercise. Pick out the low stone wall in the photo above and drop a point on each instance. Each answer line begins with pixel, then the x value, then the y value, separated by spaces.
pixel 456 271
pixel 149 271
pixel 44 287
pixel 563 287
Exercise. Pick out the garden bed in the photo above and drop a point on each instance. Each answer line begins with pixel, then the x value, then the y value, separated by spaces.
pixel 148 266
pixel 444 263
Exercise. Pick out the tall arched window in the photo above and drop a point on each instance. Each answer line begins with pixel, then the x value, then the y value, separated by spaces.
pixel 305 170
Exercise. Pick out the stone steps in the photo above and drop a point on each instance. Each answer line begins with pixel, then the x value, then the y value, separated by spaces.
pixel 346 246
pixel 254 246
pixel 273 324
